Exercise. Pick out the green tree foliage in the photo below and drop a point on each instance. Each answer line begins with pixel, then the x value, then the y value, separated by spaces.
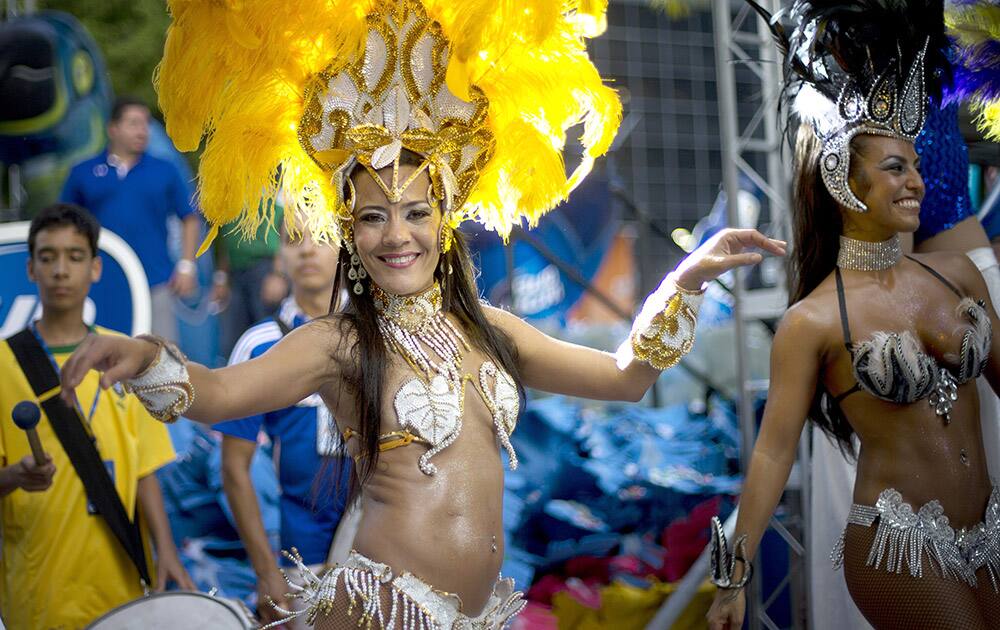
pixel 130 34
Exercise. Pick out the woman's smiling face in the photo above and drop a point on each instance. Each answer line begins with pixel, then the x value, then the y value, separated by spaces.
pixel 397 242
pixel 885 176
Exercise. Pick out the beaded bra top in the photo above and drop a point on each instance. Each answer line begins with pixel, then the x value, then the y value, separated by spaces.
pixel 430 406
pixel 894 366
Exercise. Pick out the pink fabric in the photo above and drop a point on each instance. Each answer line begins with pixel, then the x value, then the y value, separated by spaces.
pixel 535 617
pixel 686 538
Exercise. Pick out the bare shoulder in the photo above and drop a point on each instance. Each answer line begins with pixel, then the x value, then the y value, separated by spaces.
pixel 809 324
pixel 809 315
pixel 957 268
pixel 333 334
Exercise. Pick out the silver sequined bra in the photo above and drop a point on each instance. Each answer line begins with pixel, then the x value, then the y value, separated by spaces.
pixel 904 537
pixel 894 367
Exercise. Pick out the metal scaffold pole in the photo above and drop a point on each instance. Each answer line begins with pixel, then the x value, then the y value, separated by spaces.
pixel 742 38
pixel 726 81
pixel 752 148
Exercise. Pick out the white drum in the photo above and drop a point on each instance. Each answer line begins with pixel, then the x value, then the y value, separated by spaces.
pixel 177 609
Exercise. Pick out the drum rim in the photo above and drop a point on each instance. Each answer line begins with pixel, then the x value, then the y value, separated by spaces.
pixel 229 607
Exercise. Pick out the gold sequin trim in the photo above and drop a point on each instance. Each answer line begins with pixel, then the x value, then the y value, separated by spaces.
pixel 670 334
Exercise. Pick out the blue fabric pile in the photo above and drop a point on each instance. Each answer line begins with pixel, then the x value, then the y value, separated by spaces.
pixel 594 479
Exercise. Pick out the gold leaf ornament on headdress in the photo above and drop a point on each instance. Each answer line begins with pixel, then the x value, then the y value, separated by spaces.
pixel 394 97
pixel 484 90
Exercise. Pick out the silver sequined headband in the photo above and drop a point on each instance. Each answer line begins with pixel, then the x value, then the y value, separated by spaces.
pixel 883 112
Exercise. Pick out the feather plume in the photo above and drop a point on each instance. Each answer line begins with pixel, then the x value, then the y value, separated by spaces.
pixel 827 42
pixel 975 28
pixel 234 74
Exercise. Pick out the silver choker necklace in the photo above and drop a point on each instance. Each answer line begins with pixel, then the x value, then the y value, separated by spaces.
pixel 867 256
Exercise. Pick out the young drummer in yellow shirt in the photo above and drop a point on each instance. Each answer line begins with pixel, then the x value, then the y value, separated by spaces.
pixel 61 567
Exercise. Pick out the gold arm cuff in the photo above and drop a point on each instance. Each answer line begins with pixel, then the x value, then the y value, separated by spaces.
pixel 670 332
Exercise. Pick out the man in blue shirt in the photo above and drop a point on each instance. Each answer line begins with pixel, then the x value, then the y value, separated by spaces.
pixel 303 437
pixel 133 194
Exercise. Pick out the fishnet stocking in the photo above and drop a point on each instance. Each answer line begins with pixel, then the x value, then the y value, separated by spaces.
pixel 891 601
pixel 339 619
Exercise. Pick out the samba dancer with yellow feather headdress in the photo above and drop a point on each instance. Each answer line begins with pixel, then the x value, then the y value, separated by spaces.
pixel 389 123
pixel 484 90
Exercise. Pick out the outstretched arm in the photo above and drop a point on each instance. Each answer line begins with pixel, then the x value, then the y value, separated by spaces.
pixel 565 368
pixel 289 371
pixel 795 366
pixel 560 367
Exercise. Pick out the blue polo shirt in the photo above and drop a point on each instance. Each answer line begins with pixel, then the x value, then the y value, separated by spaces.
pixel 311 503
pixel 134 205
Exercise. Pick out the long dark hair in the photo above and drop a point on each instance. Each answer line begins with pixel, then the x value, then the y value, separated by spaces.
pixel 365 373
pixel 817 226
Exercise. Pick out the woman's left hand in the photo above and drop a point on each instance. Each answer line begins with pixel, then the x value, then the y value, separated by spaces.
pixel 727 250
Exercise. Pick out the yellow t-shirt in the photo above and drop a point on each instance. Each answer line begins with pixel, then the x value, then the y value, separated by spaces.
pixel 62 567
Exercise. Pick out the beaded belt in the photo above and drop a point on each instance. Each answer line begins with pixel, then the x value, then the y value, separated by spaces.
pixel 415 605
pixel 904 537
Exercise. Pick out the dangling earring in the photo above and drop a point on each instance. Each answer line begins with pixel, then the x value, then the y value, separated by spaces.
pixel 356 272
pixel 446 237
pixel 445 240
pixel 444 272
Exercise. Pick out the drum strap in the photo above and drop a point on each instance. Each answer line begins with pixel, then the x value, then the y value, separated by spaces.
pixel 79 445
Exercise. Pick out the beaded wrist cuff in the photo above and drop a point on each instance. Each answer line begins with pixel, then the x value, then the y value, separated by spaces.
pixel 663 331
pixel 164 387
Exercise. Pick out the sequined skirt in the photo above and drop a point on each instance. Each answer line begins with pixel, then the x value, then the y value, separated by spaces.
pixel 413 604
pixel 903 539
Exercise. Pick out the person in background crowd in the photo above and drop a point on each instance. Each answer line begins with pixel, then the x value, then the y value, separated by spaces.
pixel 249 277
pixel 133 194
pixel 302 436
pixel 61 565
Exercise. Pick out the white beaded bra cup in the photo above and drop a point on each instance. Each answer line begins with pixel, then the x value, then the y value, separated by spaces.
pixel 431 405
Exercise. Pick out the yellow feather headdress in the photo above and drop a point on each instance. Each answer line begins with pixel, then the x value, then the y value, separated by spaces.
pixel 484 90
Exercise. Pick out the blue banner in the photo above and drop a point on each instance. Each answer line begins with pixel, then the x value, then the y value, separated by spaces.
pixel 119 301
pixel 533 269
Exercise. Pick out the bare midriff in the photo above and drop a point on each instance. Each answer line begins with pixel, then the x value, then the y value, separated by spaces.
pixel 446 529
pixel 908 447
pixel 912 449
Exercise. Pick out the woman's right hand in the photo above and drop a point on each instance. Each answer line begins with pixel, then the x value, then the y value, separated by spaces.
pixel 118 358
pixel 728 609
